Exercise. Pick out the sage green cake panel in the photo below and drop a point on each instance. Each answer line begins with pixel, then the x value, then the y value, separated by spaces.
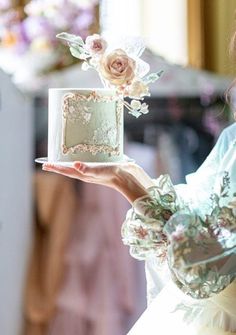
pixel 85 125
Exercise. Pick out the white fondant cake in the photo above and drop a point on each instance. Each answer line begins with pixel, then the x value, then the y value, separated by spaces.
pixel 85 125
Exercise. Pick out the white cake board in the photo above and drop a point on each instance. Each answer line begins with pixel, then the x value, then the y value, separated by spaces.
pixel 126 159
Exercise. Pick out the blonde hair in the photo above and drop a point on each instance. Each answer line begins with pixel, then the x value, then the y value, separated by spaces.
pixel 232 55
pixel 232 47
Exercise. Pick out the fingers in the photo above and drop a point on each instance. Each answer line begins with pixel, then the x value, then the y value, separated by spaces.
pixel 93 171
pixel 101 174
pixel 67 171
pixel 63 170
pixel 59 168
pixel 79 166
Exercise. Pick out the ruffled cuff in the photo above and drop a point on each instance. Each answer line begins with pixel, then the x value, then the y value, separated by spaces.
pixel 202 253
pixel 143 227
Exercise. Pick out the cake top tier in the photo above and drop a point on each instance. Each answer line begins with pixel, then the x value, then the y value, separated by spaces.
pixel 118 65
pixel 84 90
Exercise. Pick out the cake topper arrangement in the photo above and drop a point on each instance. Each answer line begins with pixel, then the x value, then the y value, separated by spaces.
pixel 118 65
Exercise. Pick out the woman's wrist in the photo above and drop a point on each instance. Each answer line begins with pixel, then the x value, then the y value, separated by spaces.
pixel 127 184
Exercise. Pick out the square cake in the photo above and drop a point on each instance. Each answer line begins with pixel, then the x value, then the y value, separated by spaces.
pixel 85 125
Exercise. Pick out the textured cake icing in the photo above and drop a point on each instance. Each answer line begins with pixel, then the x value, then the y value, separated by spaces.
pixel 85 125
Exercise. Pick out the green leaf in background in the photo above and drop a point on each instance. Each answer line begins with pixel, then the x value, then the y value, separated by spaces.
pixel 70 38
pixel 151 78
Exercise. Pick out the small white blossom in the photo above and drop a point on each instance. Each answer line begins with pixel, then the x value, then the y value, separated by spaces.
pixel 85 66
pixel 144 108
pixel 135 104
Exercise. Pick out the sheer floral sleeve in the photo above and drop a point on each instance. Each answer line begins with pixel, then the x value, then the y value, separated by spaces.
pixel 192 226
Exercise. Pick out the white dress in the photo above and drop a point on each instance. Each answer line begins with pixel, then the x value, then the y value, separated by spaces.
pixel 187 236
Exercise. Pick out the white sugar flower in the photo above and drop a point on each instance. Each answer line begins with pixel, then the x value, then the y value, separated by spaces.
pixel 85 66
pixel 144 108
pixel 135 104
pixel 136 108
pixel 137 89
pixel 118 64
pixel 95 44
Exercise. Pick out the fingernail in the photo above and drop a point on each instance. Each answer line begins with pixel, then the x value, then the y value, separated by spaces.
pixel 77 165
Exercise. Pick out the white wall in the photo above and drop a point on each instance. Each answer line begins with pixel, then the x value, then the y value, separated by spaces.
pixel 16 142
pixel 165 28
pixel 161 23
pixel 120 17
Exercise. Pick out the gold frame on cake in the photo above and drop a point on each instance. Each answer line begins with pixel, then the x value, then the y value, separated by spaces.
pixel 92 148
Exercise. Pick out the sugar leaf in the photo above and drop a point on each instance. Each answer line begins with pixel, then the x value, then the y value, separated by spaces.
pixel 152 77
pixel 78 52
pixel 135 113
pixel 70 38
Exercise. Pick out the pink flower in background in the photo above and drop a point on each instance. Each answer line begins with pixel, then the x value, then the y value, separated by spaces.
pixel 95 44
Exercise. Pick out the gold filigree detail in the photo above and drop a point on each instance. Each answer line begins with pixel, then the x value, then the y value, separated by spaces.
pixel 92 148
pixel 93 96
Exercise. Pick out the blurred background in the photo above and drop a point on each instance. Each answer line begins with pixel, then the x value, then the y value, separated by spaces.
pixel 63 268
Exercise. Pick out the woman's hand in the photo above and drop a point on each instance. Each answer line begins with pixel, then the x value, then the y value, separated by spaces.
pixel 127 178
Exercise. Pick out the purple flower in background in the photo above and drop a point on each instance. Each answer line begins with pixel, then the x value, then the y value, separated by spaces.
pixel 34 36
pixel 37 26
pixel 82 22
pixel 22 45
pixel 5 4
pixel 63 19
pixel 9 18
